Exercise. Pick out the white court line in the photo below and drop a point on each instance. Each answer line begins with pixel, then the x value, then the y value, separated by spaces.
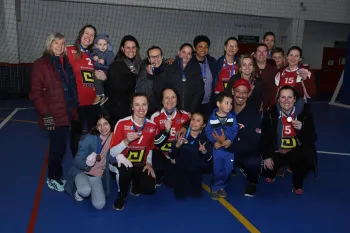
pixel 8 118
pixel 332 153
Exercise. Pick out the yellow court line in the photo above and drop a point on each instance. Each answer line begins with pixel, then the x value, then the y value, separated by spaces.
pixel 234 212
pixel 24 121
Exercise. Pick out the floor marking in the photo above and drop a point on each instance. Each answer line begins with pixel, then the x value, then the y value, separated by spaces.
pixel 34 213
pixel 8 118
pixel 332 153
pixel 24 121
pixel 234 212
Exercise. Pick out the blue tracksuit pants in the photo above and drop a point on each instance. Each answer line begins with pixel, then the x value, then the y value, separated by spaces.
pixel 222 168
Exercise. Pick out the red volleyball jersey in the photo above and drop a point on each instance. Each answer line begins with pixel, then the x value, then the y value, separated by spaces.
pixel 178 121
pixel 288 77
pixel 289 140
pixel 227 71
pixel 83 69
pixel 137 150
pixel 305 88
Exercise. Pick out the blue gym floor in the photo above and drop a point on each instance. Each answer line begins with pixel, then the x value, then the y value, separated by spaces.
pixel 28 205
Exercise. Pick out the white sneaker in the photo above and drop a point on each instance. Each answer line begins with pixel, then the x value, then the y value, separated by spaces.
pixel 77 196
pixel 55 185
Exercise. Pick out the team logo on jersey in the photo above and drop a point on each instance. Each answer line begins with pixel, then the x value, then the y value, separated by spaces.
pixel 136 155
pixel 88 78
pixel 73 51
pixel 127 127
pixel 288 143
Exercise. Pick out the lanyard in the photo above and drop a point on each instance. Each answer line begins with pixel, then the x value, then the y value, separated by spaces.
pixel 204 68
pixel 169 113
pixel 139 131
pixel 84 50
pixel 186 137
pixel 231 71
pixel 101 146
pixel 289 116
pixel 182 70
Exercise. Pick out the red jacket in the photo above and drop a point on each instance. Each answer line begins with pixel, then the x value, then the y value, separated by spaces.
pixel 47 93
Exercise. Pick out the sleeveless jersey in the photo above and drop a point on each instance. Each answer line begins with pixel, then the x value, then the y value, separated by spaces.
pixel 83 69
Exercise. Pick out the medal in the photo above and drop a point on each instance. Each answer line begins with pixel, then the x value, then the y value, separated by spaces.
pixel 98 158
pixel 289 119
pixel 139 132
pixel 185 141
pixel 183 79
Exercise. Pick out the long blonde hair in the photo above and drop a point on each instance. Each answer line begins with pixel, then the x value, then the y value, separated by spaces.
pixel 50 39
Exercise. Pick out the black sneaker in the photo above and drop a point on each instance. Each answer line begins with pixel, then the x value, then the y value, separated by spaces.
pixel 159 181
pixel 119 203
pixel 250 189
pixel 134 191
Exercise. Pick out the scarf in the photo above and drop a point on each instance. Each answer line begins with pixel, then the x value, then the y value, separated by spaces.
pixel 132 65
pixel 297 109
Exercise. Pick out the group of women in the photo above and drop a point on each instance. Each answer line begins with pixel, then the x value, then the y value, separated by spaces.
pixel 62 91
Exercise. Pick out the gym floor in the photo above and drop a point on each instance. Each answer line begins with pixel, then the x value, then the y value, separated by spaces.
pixel 28 205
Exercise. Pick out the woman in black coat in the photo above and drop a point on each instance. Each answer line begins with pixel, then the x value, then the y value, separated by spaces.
pixel 287 137
pixel 121 78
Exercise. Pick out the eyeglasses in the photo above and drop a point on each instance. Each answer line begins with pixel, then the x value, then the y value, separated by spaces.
pixel 156 56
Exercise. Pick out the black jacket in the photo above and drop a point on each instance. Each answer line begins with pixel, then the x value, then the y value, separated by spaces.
pixel 192 90
pixel 151 85
pixel 119 87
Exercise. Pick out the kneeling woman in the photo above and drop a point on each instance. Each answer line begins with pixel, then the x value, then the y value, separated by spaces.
pixel 288 128
pixel 131 146
pixel 88 175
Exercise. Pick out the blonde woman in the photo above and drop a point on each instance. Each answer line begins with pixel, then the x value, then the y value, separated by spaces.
pixel 54 96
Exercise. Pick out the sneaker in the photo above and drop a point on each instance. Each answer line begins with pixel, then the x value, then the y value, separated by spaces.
pixel 298 191
pixel 97 100
pixel 250 189
pixel 214 195
pixel 55 185
pixel 119 203
pixel 103 100
pixel 270 180
pixel 159 181
pixel 77 196
pixel 222 193
pixel 134 191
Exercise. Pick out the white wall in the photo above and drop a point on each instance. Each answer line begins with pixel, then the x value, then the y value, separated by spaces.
pixel 317 10
pixel 318 35
pixel 163 27
pixel 166 28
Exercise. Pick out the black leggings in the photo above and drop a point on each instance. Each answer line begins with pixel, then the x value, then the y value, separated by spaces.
pixel 88 115
pixel 143 182
pixel 58 141
pixel 301 161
